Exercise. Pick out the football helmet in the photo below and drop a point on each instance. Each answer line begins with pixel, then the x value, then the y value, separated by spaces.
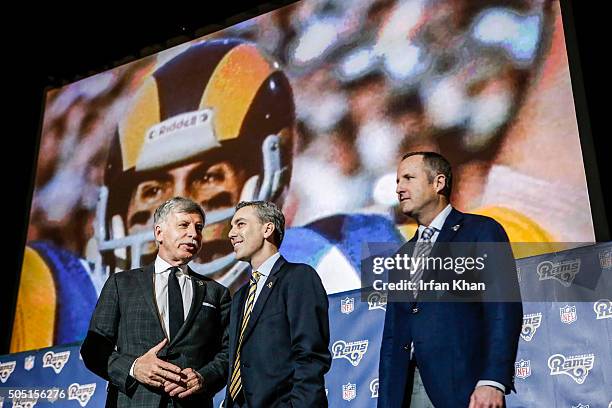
pixel 219 100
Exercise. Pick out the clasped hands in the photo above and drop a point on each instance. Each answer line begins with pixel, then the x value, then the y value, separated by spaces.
pixel 150 370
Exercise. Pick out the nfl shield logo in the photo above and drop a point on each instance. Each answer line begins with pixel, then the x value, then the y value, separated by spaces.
pixel 522 369
pixel 349 391
pixel 347 305
pixel 568 314
pixel 28 364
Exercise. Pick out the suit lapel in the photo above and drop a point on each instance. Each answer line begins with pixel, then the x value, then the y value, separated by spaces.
pixel 452 224
pixel 236 319
pixel 408 246
pixel 145 279
pixel 199 292
pixel 264 294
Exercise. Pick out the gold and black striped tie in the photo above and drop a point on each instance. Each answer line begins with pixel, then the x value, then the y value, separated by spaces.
pixel 236 380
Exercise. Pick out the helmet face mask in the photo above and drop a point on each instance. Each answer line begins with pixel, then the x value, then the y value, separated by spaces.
pixel 233 144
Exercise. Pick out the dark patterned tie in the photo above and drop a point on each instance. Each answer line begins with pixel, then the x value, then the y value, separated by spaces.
pixel 176 315
pixel 422 249
pixel 236 380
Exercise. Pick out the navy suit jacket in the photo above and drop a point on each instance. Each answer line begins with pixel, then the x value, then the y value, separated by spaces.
pixel 455 343
pixel 285 347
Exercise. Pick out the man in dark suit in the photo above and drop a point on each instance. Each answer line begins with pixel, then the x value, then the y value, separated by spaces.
pixel 159 333
pixel 279 327
pixel 447 354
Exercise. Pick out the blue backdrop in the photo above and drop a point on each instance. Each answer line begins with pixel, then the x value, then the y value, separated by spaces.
pixel 564 358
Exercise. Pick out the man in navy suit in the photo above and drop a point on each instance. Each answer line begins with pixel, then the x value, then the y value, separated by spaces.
pixel 279 327
pixel 447 354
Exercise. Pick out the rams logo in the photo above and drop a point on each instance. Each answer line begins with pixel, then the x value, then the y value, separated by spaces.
pixel 563 272
pixel 56 361
pixel 531 322
pixel 6 369
pixel 352 351
pixel 374 388
pixel 576 367
pixel 377 300
pixel 603 309
pixel 81 393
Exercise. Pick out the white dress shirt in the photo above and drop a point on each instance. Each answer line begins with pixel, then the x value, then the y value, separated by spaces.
pixel 162 272
pixel 437 224
pixel 160 280
pixel 265 269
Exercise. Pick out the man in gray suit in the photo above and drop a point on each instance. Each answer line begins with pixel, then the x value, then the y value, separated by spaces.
pixel 159 334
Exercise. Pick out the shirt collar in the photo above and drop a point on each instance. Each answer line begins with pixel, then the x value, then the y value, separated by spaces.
pixel 437 222
pixel 266 267
pixel 162 266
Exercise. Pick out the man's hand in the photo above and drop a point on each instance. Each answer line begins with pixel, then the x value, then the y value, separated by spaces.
pixel 191 383
pixel 150 370
pixel 486 396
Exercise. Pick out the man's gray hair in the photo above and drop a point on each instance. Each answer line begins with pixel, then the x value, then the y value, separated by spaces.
pixel 177 205
pixel 268 212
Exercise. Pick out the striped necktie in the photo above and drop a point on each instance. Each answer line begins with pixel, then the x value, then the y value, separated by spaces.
pixel 422 249
pixel 236 380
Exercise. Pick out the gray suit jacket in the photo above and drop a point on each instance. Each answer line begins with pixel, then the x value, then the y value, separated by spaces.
pixel 126 324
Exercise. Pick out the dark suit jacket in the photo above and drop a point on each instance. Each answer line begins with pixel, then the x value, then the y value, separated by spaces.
pixel 126 324
pixel 285 348
pixel 456 343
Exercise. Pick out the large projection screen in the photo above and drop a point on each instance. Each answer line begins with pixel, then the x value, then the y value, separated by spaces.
pixel 310 106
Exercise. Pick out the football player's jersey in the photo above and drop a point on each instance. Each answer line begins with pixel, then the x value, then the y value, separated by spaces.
pixel 333 246
pixel 55 300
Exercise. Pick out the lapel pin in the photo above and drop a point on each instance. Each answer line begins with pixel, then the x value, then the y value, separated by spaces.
pixel 270 285
pixel 200 283
pixel 456 227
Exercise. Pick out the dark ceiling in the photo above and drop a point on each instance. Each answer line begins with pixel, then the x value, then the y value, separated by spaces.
pixel 59 46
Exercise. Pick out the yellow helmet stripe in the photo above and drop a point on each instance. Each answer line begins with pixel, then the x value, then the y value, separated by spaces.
pixel 34 323
pixel 233 86
pixel 142 115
